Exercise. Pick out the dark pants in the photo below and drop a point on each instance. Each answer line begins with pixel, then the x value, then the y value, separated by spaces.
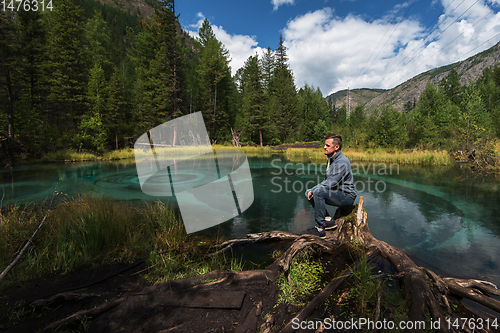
pixel 321 197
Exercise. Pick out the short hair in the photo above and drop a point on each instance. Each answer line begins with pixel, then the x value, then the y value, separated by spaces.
pixel 337 139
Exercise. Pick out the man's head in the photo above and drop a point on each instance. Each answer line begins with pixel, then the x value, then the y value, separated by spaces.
pixel 333 144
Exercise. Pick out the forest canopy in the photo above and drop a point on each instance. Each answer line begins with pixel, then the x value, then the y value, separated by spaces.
pixel 89 76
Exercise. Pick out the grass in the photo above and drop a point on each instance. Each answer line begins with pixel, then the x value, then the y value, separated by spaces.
pixel 359 297
pixel 407 157
pixel 88 231
pixel 305 274
pixel 388 155
pixel 67 155
pixel 129 153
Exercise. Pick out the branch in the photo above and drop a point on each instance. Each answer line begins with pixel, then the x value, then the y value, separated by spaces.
pixel 7 269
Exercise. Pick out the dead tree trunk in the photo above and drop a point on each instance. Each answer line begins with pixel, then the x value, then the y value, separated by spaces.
pixel 236 137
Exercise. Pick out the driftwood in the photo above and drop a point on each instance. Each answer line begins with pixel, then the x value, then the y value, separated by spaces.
pixel 424 290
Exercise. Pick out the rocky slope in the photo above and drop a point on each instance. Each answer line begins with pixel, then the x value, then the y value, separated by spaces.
pixel 139 8
pixel 355 96
pixel 469 69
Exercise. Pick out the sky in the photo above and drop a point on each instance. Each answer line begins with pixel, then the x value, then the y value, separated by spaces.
pixel 339 44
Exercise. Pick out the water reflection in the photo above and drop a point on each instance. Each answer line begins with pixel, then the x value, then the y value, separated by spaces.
pixel 445 216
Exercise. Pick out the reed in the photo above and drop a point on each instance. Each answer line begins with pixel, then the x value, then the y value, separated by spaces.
pixel 68 155
pixel 407 157
pixel 118 154
pixel 87 231
pixel 248 149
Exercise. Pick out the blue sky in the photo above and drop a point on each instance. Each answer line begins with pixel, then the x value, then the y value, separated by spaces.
pixel 336 44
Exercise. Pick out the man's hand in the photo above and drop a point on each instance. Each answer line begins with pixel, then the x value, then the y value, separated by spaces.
pixel 309 195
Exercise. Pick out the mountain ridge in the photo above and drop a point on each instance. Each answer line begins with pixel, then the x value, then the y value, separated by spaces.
pixel 410 90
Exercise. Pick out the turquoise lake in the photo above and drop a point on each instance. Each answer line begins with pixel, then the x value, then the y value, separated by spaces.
pixel 447 217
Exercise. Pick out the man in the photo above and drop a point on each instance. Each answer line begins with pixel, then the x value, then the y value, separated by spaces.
pixel 337 189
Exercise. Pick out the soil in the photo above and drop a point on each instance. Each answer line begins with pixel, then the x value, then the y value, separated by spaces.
pixel 123 302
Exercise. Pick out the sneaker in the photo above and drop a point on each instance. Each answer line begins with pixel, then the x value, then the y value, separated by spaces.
pixel 330 223
pixel 315 232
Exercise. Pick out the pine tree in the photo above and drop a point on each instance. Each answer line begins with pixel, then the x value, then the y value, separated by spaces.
pixel 98 41
pixel 254 98
pixel 92 130
pixel 284 95
pixel 67 68
pixel 216 84
pixel 268 65
pixel 8 54
pixel 474 123
pixel 115 116
pixel 452 86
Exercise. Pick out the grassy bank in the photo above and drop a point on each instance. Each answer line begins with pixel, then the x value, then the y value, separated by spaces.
pixel 128 153
pixel 407 157
pixel 88 231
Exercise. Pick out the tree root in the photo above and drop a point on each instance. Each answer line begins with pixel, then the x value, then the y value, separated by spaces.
pixel 253 238
pixel 324 294
pixel 424 289
pixel 75 318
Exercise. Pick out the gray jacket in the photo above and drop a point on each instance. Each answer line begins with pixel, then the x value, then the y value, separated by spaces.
pixel 339 176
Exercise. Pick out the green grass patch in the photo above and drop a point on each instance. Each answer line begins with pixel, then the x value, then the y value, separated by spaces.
pixel 306 279
pixel 87 231
pixel 119 154
pixel 68 155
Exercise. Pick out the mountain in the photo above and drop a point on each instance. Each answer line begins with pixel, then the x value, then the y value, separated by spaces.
pixel 139 8
pixel 356 96
pixel 409 91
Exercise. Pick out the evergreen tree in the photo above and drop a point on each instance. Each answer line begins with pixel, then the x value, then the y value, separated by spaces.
pixel 216 84
pixel 452 87
pixel 387 128
pixel 98 41
pixel 32 84
pixel 115 116
pixel 314 113
pixel 268 64
pixel 474 123
pixel 254 102
pixel 341 116
pixel 284 95
pixel 8 53
pixel 433 117
pixel 92 130
pixel 489 90
pixel 67 69
pixel 144 50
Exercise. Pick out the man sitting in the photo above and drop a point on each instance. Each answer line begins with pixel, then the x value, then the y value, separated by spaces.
pixel 337 189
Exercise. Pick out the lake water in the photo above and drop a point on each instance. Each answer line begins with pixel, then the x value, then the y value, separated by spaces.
pixel 447 217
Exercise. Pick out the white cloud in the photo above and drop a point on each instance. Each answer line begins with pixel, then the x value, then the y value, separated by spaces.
pixel 240 47
pixel 277 3
pixel 335 53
